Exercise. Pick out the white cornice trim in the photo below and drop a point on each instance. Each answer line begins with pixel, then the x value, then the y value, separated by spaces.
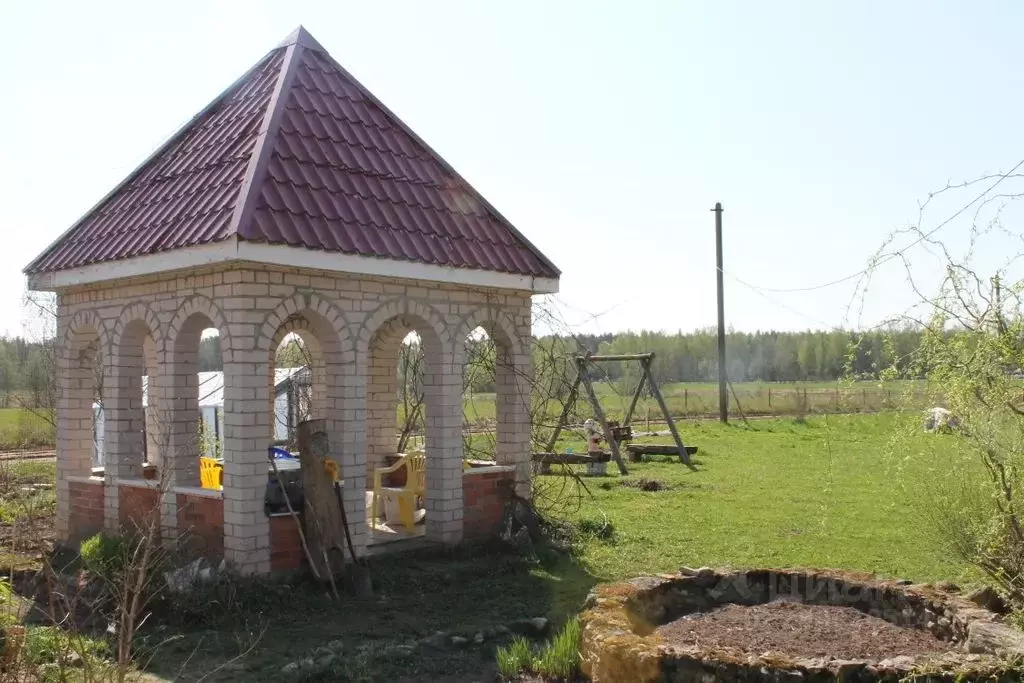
pixel 283 255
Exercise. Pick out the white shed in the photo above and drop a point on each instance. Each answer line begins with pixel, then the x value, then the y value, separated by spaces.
pixel 287 411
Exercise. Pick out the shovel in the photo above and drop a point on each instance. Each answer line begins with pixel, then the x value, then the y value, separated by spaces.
pixel 361 582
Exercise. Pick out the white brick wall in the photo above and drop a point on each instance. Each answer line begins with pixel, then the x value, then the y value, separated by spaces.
pixel 354 326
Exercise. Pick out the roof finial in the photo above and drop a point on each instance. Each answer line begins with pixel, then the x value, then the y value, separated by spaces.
pixel 301 37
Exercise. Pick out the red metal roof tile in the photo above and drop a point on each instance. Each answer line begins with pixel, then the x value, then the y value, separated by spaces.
pixel 334 170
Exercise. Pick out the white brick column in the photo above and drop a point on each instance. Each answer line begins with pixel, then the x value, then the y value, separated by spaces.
pixel 353 413
pixel 246 428
pixel 512 380
pixel 75 393
pixel 123 421
pixel 443 388
pixel 381 377
pixel 178 445
pixel 177 394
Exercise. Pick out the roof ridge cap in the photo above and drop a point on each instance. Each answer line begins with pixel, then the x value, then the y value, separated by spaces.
pixel 267 137
pixel 303 38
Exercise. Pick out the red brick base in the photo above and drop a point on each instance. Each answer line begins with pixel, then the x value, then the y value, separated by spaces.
pixel 86 510
pixel 483 499
pixel 138 508
pixel 201 525
pixel 285 546
pixel 201 518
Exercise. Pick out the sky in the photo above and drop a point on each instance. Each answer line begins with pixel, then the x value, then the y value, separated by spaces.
pixel 605 131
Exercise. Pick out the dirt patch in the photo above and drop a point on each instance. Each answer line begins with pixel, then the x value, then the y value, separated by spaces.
pixel 644 484
pixel 27 513
pixel 801 630
pixel 28 539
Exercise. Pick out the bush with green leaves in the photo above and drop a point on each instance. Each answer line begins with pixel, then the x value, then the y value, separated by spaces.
pixel 52 644
pixel 103 555
pixel 971 353
pixel 8 606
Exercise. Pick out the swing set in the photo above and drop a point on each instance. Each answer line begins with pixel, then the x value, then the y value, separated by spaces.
pixel 614 433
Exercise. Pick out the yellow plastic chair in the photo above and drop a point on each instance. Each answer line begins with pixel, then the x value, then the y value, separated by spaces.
pixel 415 486
pixel 211 474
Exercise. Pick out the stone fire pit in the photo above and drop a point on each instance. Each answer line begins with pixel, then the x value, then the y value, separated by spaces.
pixel 770 625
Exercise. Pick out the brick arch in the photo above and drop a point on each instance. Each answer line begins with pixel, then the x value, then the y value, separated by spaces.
pixel 138 312
pixel 194 304
pixel 81 323
pixel 403 308
pixel 496 322
pixel 291 310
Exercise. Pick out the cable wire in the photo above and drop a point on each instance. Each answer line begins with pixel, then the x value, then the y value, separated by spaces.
pixel 890 256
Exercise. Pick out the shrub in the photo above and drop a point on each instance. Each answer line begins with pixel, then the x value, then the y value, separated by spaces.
pixel 46 644
pixel 8 606
pixel 601 529
pixel 558 659
pixel 103 555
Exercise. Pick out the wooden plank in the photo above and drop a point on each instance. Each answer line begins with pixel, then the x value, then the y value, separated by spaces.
pixel 608 437
pixel 637 451
pixel 570 458
pixel 684 457
pixel 658 449
pixel 621 356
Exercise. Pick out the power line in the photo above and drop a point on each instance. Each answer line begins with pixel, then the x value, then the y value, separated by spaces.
pixel 758 291
pixel 892 255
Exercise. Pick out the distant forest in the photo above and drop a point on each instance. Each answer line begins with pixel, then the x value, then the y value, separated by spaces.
pixel 680 357
pixel 762 356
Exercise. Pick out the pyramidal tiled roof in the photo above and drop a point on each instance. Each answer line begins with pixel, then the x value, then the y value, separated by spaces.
pixel 298 153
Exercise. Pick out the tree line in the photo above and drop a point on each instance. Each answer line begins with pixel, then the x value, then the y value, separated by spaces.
pixel 760 356
pixel 26 366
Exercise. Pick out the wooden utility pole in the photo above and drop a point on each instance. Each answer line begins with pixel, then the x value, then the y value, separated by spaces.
pixel 723 392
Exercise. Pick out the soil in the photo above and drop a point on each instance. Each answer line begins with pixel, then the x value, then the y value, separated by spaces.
pixel 801 630
pixel 25 544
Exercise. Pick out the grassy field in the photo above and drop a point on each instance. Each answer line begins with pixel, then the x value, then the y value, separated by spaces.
pixel 25 429
pixel 827 493
pixel 21 428
pixel 781 492
pixel 748 398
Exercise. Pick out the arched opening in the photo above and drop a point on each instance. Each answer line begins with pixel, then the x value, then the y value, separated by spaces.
pixel 411 395
pixel 405 440
pixel 305 369
pixel 210 381
pixel 495 396
pixel 479 396
pixel 82 440
pixel 194 417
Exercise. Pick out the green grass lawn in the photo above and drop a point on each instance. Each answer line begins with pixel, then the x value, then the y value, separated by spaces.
pixel 826 493
pixel 21 428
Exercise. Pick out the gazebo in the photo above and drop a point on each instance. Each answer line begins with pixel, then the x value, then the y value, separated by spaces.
pixel 294 203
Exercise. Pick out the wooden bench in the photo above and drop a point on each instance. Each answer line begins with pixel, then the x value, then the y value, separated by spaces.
pixel 636 451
